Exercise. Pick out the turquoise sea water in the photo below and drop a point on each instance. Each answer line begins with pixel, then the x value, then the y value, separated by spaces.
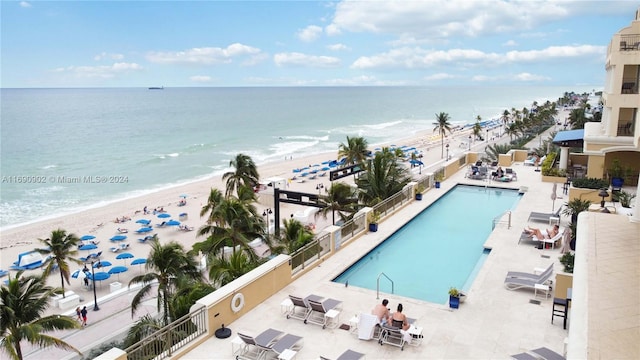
pixel 441 247
pixel 141 141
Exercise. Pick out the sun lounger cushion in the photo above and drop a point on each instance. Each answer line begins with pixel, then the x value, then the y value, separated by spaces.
pixel 350 355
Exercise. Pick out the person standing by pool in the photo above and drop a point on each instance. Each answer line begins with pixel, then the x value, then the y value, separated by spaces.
pixel 382 311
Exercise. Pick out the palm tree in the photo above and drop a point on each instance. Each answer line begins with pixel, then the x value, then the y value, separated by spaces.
pixel 165 264
pixel 22 302
pixel 246 173
pixel 477 129
pixel 223 271
pixel 442 127
pixel 60 247
pixel 384 177
pixel 341 198
pixel 355 150
pixel 512 130
pixel 295 235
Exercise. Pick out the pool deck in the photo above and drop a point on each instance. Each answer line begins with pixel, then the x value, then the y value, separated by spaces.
pixel 493 322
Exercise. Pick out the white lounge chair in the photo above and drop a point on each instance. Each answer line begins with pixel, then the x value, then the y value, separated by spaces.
pixel 367 325
pixel 513 283
pixel 531 276
pixel 320 311
pixel 254 347
pixel 301 309
pixel 544 217
pixel 393 336
pixel 288 341
pixel 542 353
pixel 347 355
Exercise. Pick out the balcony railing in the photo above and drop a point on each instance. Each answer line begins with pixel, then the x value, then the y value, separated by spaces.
pixel 630 42
pixel 629 86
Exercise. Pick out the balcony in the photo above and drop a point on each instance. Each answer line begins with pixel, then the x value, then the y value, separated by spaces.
pixel 630 42
pixel 629 86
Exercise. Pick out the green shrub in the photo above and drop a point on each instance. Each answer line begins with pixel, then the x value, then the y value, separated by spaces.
pixel 590 183
pixel 567 260
pixel 546 167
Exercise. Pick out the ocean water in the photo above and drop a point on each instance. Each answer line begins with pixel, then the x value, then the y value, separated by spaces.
pixel 65 150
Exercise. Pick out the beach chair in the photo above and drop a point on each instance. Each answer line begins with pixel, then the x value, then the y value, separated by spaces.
pixel 254 347
pixel 393 336
pixel 368 327
pixel 287 342
pixel 322 312
pixel 544 217
pixel 514 283
pixel 347 355
pixel 532 276
pixel 542 353
pixel 4 273
pixel 301 309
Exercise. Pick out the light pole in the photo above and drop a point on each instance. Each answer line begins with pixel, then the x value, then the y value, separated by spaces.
pixel 266 213
pixel 98 264
pixel 487 135
pixel 469 142
pixel 447 146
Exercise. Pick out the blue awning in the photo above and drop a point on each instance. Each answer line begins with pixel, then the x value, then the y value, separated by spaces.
pixel 571 138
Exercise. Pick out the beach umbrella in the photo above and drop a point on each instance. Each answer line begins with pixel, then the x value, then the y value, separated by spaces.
pixel 124 256
pixel 184 196
pixel 118 238
pixel 101 263
pixel 144 229
pixel 143 221
pixel 164 216
pixel 88 247
pixel 117 270
pixel 99 276
pixel 87 237
pixel 325 168
pixel 554 196
pixel 79 274
pixel 173 223
pixel 139 261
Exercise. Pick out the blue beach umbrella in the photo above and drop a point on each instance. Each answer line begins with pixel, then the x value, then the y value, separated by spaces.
pixel 79 274
pixel 118 238
pixel 143 221
pixel 99 276
pixel 102 263
pixel 88 247
pixel 87 237
pixel 139 261
pixel 117 270
pixel 124 256
pixel 173 223
pixel 164 216
pixel 144 229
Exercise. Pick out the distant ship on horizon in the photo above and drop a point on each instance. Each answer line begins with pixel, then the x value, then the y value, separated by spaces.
pixel 156 88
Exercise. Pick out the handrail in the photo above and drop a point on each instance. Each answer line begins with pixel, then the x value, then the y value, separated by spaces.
pixel 378 284
pixel 495 219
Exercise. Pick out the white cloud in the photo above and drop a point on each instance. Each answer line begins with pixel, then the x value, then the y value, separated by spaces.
pixel 530 77
pixel 24 4
pixel 510 43
pixel 104 55
pixel 100 72
pixel 303 60
pixel 201 78
pixel 483 78
pixel 310 33
pixel 416 57
pixel 440 76
pixel 203 56
pixel 437 19
pixel 338 47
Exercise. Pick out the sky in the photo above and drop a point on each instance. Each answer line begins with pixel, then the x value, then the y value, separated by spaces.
pixel 70 44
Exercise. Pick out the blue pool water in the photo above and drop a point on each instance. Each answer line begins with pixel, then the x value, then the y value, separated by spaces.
pixel 439 248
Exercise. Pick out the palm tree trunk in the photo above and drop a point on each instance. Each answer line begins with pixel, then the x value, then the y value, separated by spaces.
pixel 441 145
pixel 62 280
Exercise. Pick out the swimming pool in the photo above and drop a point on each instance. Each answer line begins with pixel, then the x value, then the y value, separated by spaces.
pixel 439 248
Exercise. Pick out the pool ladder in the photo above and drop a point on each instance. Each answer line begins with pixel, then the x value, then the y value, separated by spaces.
pixel 378 284
pixel 496 219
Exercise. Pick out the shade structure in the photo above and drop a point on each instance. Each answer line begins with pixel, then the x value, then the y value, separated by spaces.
pixel 124 256
pixel 143 221
pixel 144 230
pixel 117 270
pixel 79 274
pixel 118 238
pixel 87 237
pixel 173 223
pixel 88 247
pixel 99 276
pixel 101 263
pixel 139 261
pixel 164 216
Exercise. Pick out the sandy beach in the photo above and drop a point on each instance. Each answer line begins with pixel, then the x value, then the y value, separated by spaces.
pixel 100 222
